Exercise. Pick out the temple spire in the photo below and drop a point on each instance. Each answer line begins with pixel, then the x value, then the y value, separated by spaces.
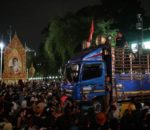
pixel 10 33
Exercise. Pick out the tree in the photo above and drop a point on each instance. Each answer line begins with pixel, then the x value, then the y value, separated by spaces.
pixel 104 28
pixel 64 39
pixel 64 35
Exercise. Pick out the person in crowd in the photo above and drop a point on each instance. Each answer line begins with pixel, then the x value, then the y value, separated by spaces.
pixel 5 124
pixel 40 118
pixel 97 105
pixel 107 98
pixel 22 119
pixel 113 120
pixel 128 120
pixel 63 122
pixel 100 123
pixel 46 108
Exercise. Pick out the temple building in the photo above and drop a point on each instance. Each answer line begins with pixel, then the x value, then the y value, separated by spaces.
pixel 14 67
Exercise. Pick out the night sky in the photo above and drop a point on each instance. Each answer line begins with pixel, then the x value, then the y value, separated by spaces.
pixel 29 17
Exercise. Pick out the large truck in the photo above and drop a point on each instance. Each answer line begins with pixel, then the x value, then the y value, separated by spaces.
pixel 85 75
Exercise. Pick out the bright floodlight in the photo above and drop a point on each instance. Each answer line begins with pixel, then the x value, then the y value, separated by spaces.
pixel 1 45
pixel 1 48
pixel 134 47
pixel 146 45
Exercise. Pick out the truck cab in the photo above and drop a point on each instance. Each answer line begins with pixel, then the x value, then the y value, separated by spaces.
pixel 85 75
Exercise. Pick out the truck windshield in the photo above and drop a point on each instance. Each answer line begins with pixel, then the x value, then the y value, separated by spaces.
pixel 72 72
pixel 91 71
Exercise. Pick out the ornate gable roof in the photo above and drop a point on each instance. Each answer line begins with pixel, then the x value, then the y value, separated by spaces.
pixel 15 43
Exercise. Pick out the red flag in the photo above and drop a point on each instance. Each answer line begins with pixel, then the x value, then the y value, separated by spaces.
pixel 87 44
pixel 91 31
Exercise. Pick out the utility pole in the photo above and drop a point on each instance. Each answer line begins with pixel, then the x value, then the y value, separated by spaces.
pixel 139 26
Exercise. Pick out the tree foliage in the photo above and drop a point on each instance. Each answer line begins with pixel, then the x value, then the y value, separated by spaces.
pixel 64 35
pixel 63 40
pixel 104 28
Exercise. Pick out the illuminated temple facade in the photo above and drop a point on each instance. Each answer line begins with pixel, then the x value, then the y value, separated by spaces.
pixel 14 62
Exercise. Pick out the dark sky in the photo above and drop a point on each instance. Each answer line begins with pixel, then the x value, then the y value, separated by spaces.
pixel 146 5
pixel 29 17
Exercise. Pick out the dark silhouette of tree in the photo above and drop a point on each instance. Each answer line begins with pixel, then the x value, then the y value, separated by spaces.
pixel 63 36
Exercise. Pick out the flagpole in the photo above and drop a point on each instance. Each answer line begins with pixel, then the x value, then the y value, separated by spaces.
pixel 88 43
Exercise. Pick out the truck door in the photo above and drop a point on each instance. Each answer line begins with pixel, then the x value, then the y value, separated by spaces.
pixel 93 79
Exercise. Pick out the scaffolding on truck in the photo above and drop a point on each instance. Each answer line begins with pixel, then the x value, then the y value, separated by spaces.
pixel 132 71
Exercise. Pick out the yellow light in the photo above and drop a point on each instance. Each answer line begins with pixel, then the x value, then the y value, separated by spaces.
pixel 100 40
pixel 103 40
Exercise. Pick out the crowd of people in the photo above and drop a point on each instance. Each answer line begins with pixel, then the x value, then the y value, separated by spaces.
pixel 43 106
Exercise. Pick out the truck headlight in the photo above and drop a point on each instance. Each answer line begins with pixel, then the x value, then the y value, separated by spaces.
pixel 119 86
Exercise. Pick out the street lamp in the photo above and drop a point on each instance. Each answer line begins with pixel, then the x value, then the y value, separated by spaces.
pixel 140 26
pixel 1 49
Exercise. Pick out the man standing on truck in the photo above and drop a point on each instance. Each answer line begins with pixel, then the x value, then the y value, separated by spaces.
pixel 108 88
pixel 121 41
pixel 104 42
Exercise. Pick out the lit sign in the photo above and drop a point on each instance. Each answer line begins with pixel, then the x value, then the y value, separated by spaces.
pixel 145 45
